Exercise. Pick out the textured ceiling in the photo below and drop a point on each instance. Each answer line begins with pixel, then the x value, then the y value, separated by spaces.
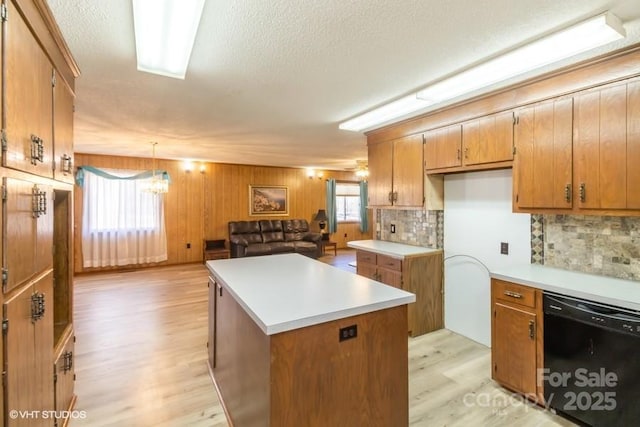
pixel 269 81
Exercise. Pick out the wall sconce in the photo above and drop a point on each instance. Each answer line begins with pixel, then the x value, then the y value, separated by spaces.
pixel 188 166
pixel 203 168
pixel 311 173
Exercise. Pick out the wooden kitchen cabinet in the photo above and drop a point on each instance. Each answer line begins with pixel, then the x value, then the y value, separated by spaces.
pixel 516 337
pixel 488 139
pixel 28 99
pixel 420 275
pixel 396 172
pixel 443 148
pixel 64 375
pixel 38 75
pixel 63 106
pixel 605 144
pixel 28 340
pixel 542 170
pixel 28 226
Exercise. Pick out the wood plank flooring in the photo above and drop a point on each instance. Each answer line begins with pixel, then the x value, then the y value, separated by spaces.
pixel 141 359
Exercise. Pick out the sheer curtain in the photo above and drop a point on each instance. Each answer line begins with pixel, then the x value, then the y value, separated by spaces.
pixel 121 223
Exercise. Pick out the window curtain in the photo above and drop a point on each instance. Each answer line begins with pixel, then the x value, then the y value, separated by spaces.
pixel 364 216
pixel 121 223
pixel 331 205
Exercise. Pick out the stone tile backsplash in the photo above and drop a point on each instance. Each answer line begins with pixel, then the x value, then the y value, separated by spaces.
pixel 605 245
pixel 412 227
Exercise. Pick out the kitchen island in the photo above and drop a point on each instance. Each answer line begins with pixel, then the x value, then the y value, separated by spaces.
pixel 293 341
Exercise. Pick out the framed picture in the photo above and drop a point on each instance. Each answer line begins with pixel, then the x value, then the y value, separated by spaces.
pixel 268 200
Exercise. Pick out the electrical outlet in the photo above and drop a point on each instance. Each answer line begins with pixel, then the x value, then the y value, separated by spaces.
pixel 504 248
pixel 393 228
pixel 345 235
pixel 348 332
pixel 188 245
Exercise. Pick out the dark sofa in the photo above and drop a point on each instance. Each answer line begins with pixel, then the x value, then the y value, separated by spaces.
pixel 268 237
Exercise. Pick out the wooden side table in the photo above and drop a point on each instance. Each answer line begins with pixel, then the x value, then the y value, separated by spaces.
pixel 214 249
pixel 325 243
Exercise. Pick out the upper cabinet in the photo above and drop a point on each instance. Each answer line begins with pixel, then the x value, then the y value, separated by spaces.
pixel 542 165
pixel 28 125
pixel 606 153
pixel 580 155
pixel 488 139
pixel 63 101
pixel 482 143
pixel 396 173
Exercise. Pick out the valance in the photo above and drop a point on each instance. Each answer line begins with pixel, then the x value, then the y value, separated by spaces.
pixel 108 175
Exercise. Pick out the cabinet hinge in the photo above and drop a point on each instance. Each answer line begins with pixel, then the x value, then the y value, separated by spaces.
pixel 74 338
pixel 514 150
pixel 4 379
pixel 55 376
pixel 5 326
pixel 3 137
pixel 516 120
pixel 53 79
pixel 517 197
pixel 4 193
pixel 4 12
pixel 5 276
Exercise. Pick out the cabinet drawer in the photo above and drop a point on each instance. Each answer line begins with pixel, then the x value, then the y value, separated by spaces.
pixel 390 263
pixel 511 292
pixel 368 257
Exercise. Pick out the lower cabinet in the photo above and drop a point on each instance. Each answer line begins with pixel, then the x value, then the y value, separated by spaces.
pixel 64 376
pixel 28 344
pixel 516 337
pixel 420 275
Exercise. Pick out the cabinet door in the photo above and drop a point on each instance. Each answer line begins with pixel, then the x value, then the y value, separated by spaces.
pixel 488 139
pixel 543 161
pixel 63 131
pixel 408 172
pixel 513 348
pixel 65 376
pixel 369 271
pixel 633 145
pixel 20 357
pixel 390 277
pixel 43 339
pixel 380 173
pixel 211 344
pixel 600 148
pixel 20 232
pixel 28 100
pixel 442 148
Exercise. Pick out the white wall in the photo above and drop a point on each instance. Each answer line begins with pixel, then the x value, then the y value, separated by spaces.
pixel 477 217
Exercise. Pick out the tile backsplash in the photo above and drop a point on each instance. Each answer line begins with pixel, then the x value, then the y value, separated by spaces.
pixel 605 245
pixel 412 227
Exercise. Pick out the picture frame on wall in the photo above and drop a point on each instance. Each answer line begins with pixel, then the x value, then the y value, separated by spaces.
pixel 272 200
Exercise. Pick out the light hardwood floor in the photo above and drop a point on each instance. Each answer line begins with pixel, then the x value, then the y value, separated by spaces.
pixel 141 359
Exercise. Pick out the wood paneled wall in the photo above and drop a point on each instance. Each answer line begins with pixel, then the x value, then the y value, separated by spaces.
pixel 199 205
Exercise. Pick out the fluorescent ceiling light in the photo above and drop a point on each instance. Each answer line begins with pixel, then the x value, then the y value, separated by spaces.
pixel 165 31
pixel 387 112
pixel 589 34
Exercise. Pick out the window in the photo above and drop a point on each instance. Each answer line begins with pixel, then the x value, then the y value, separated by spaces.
pixel 121 223
pixel 348 201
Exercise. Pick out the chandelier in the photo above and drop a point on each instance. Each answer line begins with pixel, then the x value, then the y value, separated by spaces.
pixel 157 184
pixel 362 169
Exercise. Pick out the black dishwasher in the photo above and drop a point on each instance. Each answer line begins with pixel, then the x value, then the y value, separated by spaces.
pixel 591 361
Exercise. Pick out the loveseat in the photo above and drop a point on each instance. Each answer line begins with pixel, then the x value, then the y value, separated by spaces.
pixel 267 237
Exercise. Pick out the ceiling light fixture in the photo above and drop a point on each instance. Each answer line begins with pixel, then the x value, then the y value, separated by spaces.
pixel 165 31
pixel 586 35
pixel 157 184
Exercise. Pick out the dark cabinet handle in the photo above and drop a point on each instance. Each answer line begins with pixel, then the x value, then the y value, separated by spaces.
pixel 583 192
pixel 37 306
pixel 66 164
pixel 37 150
pixel 67 363
pixel 532 330
pixel 39 202
pixel 567 193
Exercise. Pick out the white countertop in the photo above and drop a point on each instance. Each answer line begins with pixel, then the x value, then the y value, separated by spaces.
pixel 392 249
pixel 291 291
pixel 608 290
